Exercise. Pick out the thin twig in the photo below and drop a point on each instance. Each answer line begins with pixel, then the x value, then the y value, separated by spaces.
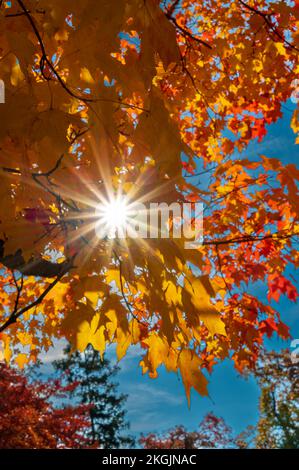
pixel 45 60
pixel 266 17
pixel 249 239
pixel 187 33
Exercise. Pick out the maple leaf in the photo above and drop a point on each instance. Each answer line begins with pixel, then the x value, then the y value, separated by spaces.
pixel 268 326
pixel 189 365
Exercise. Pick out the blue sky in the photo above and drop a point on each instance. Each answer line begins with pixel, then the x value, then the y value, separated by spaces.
pixel 156 405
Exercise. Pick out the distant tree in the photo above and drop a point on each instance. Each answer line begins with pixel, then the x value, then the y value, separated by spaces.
pixel 212 432
pixel 29 419
pixel 278 378
pixel 245 439
pixel 97 390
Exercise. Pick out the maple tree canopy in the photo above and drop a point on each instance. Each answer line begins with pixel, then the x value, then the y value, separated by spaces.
pixel 28 418
pixel 160 100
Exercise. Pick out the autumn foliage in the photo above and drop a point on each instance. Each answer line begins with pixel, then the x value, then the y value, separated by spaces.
pixel 158 100
pixel 212 433
pixel 29 419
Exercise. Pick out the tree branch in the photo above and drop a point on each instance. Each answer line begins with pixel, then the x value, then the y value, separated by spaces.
pixel 267 18
pixel 45 60
pixel 185 32
pixel 249 239
pixel 15 315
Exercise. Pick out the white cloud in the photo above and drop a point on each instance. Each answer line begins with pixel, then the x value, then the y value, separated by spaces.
pixel 144 405
pixel 54 353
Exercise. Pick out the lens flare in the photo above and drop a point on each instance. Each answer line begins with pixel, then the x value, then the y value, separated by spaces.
pixel 112 218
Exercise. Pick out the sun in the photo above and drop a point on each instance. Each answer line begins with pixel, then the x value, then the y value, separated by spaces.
pixel 112 217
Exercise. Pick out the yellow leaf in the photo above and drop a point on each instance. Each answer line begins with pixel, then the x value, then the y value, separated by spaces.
pixel 173 294
pixel 21 360
pixel 201 292
pixel 5 351
pixel 124 340
pixel 93 298
pixel 86 76
pixel 189 365
pixel 113 276
pixel 280 48
pixel 98 340
pixel 157 351
pixel 25 338
pixel 295 121
pixel 17 75
pixel 213 322
pixel 91 333
pixel 82 313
